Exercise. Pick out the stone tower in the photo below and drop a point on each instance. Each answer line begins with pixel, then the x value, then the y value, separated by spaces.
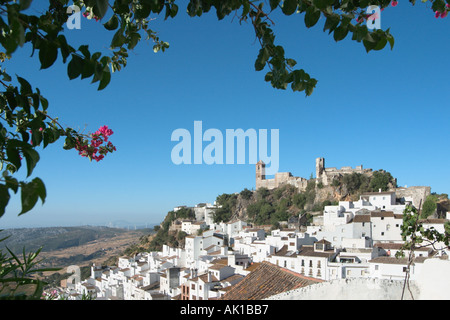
pixel 320 167
pixel 260 173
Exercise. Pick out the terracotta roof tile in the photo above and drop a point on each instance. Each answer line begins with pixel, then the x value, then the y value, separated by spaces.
pixel 266 280
pixel 361 218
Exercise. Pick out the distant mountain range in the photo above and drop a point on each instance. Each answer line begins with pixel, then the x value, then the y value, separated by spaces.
pixel 130 225
pixel 57 238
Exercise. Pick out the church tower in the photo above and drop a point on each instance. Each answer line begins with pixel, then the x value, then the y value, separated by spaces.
pixel 320 166
pixel 260 172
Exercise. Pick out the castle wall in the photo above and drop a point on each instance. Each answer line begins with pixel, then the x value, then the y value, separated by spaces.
pixel 323 175
pixel 327 175
pixel 282 178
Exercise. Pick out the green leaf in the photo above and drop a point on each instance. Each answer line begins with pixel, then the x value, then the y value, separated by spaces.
pixel 88 69
pixel 39 186
pixel 31 158
pixel 102 8
pixel 64 47
pixel 25 4
pixel 12 153
pixel 11 183
pixel 48 54
pixel 118 40
pixel 369 45
pixel 438 5
pixel 106 78
pixel 291 62
pixel 262 58
pixel 17 32
pixel 311 17
pixel 4 198
pixel 30 193
pixel 134 39
pixel 112 24
pixel 331 23
pixel 391 41
pixel 25 87
pixel 274 4
pixel 75 67
pixel 84 49
pixel 69 143
pixel 320 4
pixel 340 33
pixel 289 7
pixel 381 44
pixel 173 10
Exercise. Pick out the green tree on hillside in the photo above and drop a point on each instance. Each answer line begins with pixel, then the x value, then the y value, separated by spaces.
pixel 429 206
pixel 381 180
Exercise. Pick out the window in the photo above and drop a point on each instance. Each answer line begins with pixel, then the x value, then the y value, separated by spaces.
pixel 382 233
pixel 303 263
pixel 310 263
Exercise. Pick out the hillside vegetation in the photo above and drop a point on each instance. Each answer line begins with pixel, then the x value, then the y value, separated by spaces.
pixel 270 207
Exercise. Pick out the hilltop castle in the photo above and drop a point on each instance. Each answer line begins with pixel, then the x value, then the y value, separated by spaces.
pixel 323 175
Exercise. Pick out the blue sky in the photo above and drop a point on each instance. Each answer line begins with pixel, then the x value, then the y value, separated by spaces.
pixel 383 110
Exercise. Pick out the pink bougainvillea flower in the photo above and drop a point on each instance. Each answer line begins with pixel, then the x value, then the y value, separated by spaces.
pixel 94 148
pixel 394 3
